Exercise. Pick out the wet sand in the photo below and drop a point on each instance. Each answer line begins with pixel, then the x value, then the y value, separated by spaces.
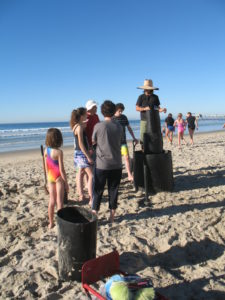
pixel 178 240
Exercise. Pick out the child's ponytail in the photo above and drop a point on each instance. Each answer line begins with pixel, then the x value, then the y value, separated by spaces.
pixel 75 116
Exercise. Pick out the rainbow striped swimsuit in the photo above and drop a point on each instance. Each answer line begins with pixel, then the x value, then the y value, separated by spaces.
pixel 52 167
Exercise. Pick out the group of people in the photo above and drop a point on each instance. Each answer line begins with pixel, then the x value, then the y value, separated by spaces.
pixel 148 100
pixel 99 148
pixel 98 151
pixel 181 124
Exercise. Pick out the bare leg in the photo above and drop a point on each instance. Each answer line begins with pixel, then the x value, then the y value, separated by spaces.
pixel 191 133
pixel 171 137
pixel 51 204
pixel 127 164
pixel 112 215
pixel 182 137
pixel 167 135
pixel 179 137
pixel 59 193
pixel 79 183
pixel 89 184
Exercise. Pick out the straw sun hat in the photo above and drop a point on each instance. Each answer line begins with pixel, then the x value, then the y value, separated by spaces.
pixel 148 85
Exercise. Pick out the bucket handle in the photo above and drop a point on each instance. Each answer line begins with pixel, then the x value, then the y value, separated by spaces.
pixel 134 145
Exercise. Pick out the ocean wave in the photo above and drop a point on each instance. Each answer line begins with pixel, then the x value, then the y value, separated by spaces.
pixel 29 132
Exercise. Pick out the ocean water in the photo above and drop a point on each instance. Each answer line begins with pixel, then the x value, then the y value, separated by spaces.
pixel 26 136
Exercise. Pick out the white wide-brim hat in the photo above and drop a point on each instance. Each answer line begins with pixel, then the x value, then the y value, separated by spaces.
pixel 148 85
pixel 90 104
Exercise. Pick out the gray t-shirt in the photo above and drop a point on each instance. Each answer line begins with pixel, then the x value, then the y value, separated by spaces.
pixel 107 135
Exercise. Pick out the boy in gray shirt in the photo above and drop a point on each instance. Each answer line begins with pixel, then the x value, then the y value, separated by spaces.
pixel 107 137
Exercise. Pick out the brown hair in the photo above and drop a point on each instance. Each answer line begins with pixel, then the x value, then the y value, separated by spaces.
pixel 120 106
pixel 75 116
pixel 180 115
pixel 54 138
pixel 108 108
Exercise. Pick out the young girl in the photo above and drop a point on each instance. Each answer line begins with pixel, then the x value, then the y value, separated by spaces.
pixel 82 158
pixel 57 181
pixel 180 124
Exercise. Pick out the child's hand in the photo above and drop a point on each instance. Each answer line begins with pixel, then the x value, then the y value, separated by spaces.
pixel 90 160
pixel 135 141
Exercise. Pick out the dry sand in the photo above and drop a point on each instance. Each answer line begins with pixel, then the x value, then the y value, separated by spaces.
pixel 178 242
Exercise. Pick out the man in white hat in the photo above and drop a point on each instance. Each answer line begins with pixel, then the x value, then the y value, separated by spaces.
pixel 148 100
pixel 92 118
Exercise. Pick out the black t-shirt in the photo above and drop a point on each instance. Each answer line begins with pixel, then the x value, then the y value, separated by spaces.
pixel 144 101
pixel 122 119
pixel 191 122
pixel 169 121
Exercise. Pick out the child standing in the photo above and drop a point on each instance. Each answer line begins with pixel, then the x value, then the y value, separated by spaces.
pixel 54 166
pixel 192 123
pixel 180 124
pixel 122 119
pixel 107 137
pixel 82 158
pixel 169 121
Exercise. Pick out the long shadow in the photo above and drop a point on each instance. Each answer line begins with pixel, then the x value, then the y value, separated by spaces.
pixel 168 211
pixel 193 290
pixel 209 168
pixel 191 254
pixel 196 181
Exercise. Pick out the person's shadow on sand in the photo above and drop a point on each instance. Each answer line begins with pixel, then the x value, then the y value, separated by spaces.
pixel 205 178
pixel 191 254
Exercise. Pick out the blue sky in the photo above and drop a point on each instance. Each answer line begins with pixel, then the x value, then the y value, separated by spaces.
pixel 57 54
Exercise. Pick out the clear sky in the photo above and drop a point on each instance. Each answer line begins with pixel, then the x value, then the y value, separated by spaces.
pixel 57 54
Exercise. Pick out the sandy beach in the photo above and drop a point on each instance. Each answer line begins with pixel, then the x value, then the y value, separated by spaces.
pixel 178 241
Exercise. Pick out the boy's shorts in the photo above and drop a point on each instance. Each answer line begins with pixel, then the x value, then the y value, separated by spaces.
pixel 124 150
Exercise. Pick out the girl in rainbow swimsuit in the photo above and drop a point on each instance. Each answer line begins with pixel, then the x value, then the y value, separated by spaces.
pixel 82 158
pixel 181 125
pixel 57 180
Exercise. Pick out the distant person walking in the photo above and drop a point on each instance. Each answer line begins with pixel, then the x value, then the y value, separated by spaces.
pixel 169 121
pixel 107 137
pixel 122 119
pixel 181 125
pixel 192 124
pixel 145 102
pixel 57 181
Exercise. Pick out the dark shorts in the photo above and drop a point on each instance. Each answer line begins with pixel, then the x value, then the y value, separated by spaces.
pixel 171 128
pixel 191 127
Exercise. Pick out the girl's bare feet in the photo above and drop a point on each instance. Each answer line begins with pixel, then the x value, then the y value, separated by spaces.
pixel 81 198
pixel 112 214
pixel 90 202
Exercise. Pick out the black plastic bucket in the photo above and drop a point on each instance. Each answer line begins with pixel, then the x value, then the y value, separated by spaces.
pixel 160 168
pixel 77 238
pixel 153 121
pixel 152 139
pixel 152 143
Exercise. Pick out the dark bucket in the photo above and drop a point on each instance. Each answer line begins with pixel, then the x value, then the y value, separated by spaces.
pixel 153 143
pixel 77 238
pixel 160 170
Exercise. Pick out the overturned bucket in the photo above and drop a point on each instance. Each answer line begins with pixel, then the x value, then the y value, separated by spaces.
pixel 77 238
